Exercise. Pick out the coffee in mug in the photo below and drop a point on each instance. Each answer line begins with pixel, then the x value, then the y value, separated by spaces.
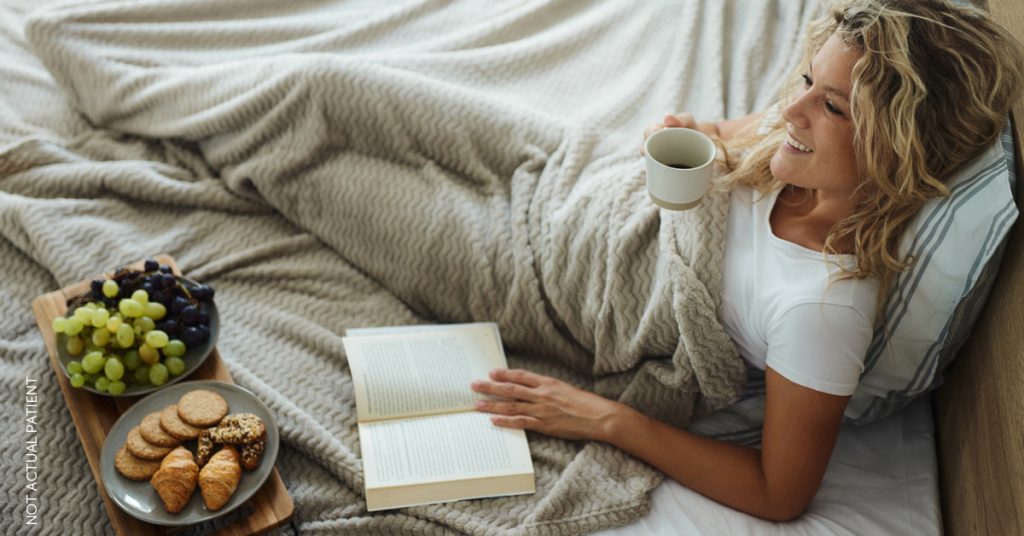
pixel 679 164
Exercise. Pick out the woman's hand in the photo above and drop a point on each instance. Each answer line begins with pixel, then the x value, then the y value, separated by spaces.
pixel 541 403
pixel 683 120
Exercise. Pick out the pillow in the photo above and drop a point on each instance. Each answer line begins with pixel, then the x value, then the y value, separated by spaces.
pixel 958 242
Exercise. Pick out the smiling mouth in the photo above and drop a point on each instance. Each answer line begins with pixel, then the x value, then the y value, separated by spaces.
pixel 792 142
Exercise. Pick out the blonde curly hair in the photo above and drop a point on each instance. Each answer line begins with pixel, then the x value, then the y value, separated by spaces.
pixel 931 91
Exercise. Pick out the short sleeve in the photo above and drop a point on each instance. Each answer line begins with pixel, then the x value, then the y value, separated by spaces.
pixel 820 346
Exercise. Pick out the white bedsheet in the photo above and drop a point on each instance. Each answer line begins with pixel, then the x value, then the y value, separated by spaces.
pixel 882 479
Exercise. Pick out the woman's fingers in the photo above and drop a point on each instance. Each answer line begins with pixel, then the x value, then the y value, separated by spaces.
pixel 520 376
pixel 503 389
pixel 520 422
pixel 682 120
pixel 504 408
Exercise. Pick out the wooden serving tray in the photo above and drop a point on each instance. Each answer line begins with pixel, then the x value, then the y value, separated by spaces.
pixel 94 415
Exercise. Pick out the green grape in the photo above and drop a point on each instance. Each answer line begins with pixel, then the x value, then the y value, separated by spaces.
pixel 144 323
pixel 113 369
pixel 92 305
pixel 130 308
pixel 91 378
pixel 110 288
pixel 113 323
pixel 148 354
pixel 100 317
pixel 75 345
pixel 74 367
pixel 131 360
pixel 101 337
pixel 156 339
pixel 141 296
pixel 77 380
pixel 59 324
pixel 158 374
pixel 141 375
pixel 84 315
pixel 137 329
pixel 116 387
pixel 174 365
pixel 102 384
pixel 93 362
pixel 174 348
pixel 154 310
pixel 125 335
pixel 73 326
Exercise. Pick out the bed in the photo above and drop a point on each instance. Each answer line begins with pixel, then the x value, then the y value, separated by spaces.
pixel 86 191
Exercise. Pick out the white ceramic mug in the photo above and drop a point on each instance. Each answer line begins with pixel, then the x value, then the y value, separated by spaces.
pixel 679 163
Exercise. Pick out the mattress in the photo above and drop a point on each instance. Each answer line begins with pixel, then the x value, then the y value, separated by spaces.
pixel 882 479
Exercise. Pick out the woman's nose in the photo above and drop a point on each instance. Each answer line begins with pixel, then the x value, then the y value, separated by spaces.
pixel 796 112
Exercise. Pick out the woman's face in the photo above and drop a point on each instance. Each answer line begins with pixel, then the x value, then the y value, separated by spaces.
pixel 818 151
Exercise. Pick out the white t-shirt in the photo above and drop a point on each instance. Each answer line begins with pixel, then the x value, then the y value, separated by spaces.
pixel 779 308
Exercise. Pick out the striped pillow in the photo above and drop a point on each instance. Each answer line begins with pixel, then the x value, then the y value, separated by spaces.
pixel 958 242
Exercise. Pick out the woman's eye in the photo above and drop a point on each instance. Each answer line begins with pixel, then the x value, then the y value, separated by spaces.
pixel 807 80
pixel 832 109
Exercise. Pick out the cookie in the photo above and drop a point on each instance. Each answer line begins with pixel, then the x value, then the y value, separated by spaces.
pixel 174 426
pixel 144 449
pixel 239 429
pixel 251 453
pixel 204 448
pixel 134 467
pixel 202 408
pixel 155 435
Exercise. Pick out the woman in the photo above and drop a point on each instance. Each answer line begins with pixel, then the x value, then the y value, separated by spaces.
pixel 893 97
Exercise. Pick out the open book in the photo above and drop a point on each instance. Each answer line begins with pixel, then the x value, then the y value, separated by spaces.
pixel 422 439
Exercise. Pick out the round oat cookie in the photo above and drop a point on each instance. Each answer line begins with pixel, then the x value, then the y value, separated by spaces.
pixel 174 426
pixel 202 408
pixel 155 435
pixel 134 467
pixel 144 449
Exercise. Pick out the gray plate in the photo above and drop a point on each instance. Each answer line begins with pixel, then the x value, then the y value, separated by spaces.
pixel 193 358
pixel 140 500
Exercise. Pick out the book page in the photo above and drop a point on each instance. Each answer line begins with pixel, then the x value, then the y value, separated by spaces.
pixel 421 373
pixel 440 447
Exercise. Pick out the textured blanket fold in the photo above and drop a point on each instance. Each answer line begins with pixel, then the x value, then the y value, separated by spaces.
pixel 328 173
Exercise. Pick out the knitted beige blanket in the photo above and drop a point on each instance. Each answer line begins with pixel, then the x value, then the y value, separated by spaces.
pixel 326 168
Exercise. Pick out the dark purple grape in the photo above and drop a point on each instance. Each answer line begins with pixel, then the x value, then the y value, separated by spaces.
pixel 97 287
pixel 168 281
pixel 151 265
pixel 167 325
pixel 148 288
pixel 204 333
pixel 191 336
pixel 178 304
pixel 189 315
pixel 165 268
pixel 204 317
pixel 160 296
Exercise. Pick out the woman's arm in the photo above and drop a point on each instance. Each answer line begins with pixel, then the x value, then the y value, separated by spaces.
pixel 776 482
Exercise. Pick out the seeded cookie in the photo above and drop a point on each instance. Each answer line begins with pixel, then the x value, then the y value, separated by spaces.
pixel 134 467
pixel 144 449
pixel 250 454
pixel 171 423
pixel 202 408
pixel 239 429
pixel 155 435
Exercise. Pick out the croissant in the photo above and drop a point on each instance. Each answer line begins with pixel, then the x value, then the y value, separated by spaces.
pixel 219 477
pixel 176 479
